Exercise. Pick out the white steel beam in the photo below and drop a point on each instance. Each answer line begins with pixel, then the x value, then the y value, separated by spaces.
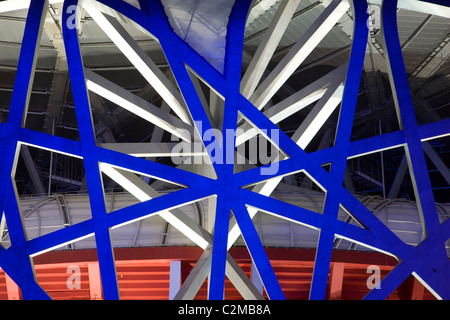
pixel 141 61
pixel 434 61
pixel 237 276
pixel 153 149
pixel 319 115
pixel 157 136
pixel 278 113
pixel 143 192
pixel 196 277
pixel 2 226
pixel 299 52
pixel 267 47
pixel 201 270
pixel 295 102
pixel 137 105
pixel 177 218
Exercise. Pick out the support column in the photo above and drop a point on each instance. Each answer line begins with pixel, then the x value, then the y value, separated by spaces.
pixel 256 279
pixel 336 281
pixel 175 278
pixel 95 283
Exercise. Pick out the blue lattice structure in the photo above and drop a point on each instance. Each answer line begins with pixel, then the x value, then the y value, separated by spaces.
pixel 428 261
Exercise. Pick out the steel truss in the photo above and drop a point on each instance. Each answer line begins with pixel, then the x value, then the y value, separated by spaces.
pixel 428 262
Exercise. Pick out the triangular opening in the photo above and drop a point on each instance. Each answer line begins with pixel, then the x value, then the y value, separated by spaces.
pixel 299 190
pixel 327 166
pixel 205 151
pixel 345 215
pixel 5 242
pixel 211 101
pixel 43 172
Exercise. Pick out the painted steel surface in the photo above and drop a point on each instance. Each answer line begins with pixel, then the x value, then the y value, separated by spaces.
pixel 428 261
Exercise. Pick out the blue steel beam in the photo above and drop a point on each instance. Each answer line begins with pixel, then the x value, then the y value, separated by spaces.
pixel 256 250
pixel 225 194
pixel 17 254
pixel 406 116
pixel 90 157
pixel 342 141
